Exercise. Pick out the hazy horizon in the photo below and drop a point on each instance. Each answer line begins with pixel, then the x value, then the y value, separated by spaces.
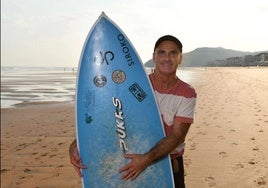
pixel 52 33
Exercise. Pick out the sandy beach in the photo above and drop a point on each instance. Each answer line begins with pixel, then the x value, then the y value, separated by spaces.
pixel 227 146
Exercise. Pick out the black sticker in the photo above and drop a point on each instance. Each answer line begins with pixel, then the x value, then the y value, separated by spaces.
pixel 138 92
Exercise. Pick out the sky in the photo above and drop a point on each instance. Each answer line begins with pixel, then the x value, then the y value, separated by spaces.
pixel 52 32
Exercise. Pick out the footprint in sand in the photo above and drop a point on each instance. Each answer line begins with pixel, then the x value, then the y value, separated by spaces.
pixel 211 181
pixel 238 166
pixel 26 170
pixel 193 145
pixel 21 146
pixel 223 154
pixel 53 155
pixel 235 144
pixel 252 162
pixel 45 154
pixel 21 180
pixel 187 162
pixel 4 170
pixel 190 139
pixel 221 137
pixel 202 132
pixel 260 181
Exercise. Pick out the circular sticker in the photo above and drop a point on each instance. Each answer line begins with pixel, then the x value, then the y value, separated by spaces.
pixel 118 76
pixel 100 80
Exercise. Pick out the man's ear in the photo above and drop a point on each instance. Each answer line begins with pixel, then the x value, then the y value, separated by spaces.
pixel 180 59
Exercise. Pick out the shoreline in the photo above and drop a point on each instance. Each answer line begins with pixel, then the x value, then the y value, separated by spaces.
pixel 225 147
pixel 31 84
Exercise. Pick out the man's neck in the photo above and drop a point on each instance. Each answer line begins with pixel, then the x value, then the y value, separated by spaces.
pixel 164 82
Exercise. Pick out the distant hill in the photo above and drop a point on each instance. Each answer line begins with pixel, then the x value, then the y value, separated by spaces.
pixel 202 56
pixel 207 56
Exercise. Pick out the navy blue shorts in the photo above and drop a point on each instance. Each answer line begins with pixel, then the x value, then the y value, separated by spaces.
pixel 178 172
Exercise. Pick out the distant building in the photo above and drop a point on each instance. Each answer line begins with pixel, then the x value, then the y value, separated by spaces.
pixel 233 61
pixel 262 58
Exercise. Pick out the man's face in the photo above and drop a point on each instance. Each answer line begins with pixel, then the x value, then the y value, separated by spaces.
pixel 167 57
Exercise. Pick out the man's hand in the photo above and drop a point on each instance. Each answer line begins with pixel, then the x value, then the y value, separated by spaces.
pixel 75 158
pixel 133 169
pixel 139 162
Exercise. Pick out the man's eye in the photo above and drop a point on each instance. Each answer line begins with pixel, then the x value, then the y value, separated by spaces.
pixel 173 54
pixel 161 53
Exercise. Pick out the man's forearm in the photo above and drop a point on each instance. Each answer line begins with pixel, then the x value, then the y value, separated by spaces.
pixel 73 145
pixel 163 148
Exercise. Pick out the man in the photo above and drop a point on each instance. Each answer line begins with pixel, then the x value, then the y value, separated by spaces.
pixel 176 100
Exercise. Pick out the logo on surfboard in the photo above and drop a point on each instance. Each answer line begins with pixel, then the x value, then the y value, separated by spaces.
pixel 100 80
pixel 118 76
pixel 138 92
pixel 120 124
pixel 104 57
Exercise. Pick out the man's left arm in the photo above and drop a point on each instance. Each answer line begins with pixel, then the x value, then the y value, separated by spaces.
pixel 140 162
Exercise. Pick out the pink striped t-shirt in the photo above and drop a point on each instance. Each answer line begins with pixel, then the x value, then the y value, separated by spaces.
pixel 177 103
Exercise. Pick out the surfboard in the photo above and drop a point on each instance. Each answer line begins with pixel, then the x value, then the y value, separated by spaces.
pixel 116 111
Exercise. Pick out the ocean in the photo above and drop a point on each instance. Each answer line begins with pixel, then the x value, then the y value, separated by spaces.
pixel 36 84
pixel 23 85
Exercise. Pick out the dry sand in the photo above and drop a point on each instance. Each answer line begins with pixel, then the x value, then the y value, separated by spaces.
pixel 227 145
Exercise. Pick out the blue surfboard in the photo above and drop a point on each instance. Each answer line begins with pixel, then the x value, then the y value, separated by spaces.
pixel 116 111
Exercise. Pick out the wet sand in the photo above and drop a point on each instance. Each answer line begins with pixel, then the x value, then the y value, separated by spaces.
pixel 226 146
